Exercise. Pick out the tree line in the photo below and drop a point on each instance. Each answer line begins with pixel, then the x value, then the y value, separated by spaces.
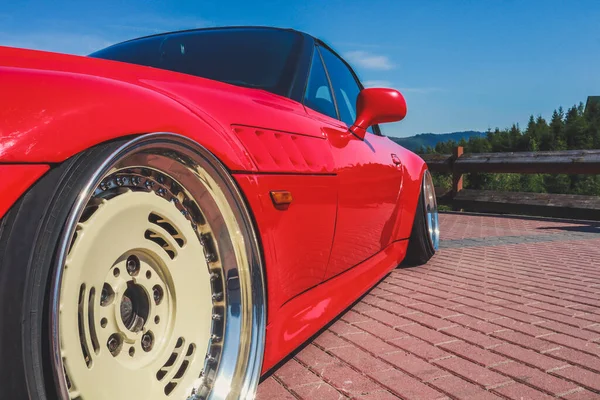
pixel 578 128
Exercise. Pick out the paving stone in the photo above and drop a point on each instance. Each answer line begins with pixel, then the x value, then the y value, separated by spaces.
pixel 508 308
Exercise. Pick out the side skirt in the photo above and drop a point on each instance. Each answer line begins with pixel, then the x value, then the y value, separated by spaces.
pixel 303 316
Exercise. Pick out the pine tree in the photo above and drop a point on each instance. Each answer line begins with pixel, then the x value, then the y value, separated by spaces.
pixel 557 126
pixel 531 137
pixel 575 132
pixel 515 137
pixel 592 117
pixel 542 131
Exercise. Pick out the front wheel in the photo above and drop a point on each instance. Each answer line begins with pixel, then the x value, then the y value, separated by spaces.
pixel 425 236
pixel 131 271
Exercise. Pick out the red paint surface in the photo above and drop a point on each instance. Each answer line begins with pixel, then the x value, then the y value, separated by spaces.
pixel 353 199
pixel 15 180
pixel 296 241
pixel 305 315
pixel 370 185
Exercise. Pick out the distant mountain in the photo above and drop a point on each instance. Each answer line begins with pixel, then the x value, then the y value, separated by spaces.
pixel 431 139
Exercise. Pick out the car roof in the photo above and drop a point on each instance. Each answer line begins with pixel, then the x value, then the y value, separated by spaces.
pixel 241 27
pixel 219 28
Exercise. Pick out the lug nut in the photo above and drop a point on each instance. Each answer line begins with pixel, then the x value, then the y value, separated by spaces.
pixel 157 294
pixel 114 341
pixel 147 341
pixel 133 265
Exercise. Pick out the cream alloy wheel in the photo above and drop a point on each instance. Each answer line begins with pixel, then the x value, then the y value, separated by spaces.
pixel 156 289
pixel 154 298
pixel 136 299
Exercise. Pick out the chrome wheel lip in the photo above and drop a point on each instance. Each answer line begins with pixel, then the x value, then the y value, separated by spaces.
pixel 431 211
pixel 247 374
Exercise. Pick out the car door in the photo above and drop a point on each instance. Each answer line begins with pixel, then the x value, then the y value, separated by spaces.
pixel 287 147
pixel 368 171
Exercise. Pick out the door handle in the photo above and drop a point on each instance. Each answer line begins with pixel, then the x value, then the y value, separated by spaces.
pixel 396 159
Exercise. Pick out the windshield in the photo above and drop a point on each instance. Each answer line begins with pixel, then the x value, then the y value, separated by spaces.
pixel 251 57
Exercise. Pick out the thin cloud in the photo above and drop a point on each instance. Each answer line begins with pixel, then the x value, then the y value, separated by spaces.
pixel 377 83
pixel 151 24
pixel 367 60
pixel 53 37
pixel 423 90
pixel 368 45
pixel 56 42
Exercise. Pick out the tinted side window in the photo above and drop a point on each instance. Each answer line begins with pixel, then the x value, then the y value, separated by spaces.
pixel 318 93
pixel 344 85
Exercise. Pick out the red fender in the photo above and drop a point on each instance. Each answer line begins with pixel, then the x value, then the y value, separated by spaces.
pixel 48 116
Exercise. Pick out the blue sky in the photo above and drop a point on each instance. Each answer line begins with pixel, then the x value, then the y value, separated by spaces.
pixel 461 64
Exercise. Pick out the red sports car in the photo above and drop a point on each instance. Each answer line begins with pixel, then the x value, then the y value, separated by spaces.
pixel 180 212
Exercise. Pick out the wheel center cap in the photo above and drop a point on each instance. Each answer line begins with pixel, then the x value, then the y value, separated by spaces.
pixel 135 307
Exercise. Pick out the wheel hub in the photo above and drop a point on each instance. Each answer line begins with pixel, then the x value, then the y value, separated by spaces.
pixel 135 307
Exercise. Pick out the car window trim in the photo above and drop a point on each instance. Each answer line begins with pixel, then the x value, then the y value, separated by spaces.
pixel 331 88
pixel 299 82
pixel 317 53
pixel 319 42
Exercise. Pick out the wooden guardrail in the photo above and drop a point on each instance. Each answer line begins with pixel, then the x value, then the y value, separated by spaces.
pixel 542 162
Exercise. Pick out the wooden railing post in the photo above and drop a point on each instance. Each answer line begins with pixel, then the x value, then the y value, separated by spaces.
pixel 457 178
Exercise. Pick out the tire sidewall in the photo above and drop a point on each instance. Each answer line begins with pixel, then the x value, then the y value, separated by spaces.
pixel 28 262
pixel 420 247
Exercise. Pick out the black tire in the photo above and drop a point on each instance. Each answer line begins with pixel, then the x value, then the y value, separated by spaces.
pixel 29 235
pixel 420 249
pixel 36 228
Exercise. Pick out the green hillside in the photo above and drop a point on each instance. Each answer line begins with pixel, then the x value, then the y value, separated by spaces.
pixel 431 139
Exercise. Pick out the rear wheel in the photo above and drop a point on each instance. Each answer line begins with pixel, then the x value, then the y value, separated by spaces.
pixel 425 236
pixel 131 271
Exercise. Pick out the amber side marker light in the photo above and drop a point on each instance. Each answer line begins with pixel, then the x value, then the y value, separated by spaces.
pixel 281 198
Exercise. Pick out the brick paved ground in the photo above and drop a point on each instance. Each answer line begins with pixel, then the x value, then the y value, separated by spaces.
pixel 508 308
